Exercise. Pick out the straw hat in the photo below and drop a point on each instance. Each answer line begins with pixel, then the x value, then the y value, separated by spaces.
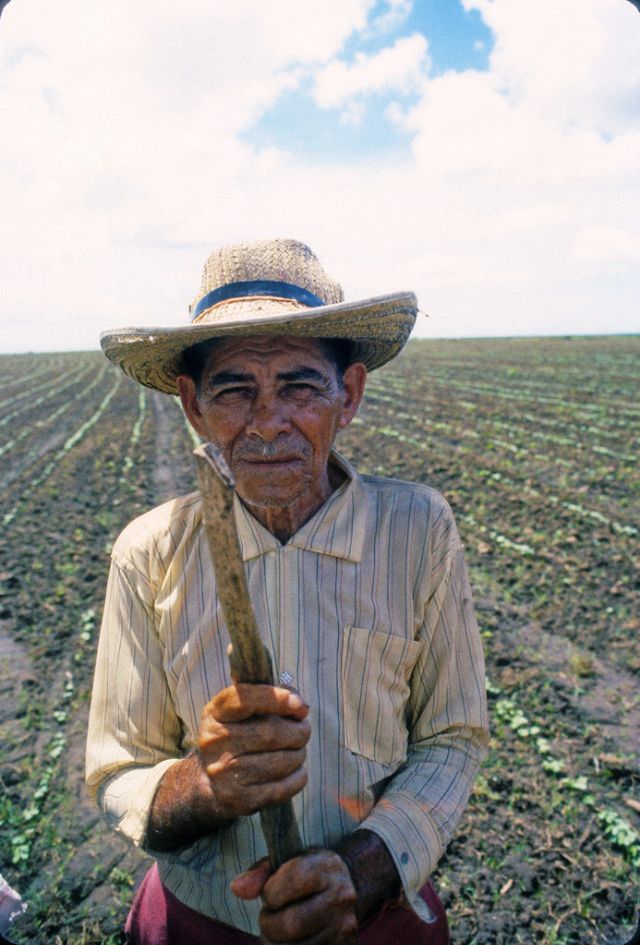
pixel 272 287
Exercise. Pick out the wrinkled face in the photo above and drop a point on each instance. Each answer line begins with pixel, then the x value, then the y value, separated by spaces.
pixel 274 406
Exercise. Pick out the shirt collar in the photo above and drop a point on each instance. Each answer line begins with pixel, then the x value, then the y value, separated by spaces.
pixel 337 528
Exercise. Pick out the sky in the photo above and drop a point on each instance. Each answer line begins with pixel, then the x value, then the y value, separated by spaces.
pixel 482 153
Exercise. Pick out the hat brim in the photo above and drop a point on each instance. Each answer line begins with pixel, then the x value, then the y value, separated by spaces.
pixel 378 329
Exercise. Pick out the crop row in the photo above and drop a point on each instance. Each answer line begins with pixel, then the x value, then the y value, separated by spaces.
pixel 484 431
pixel 36 438
pixel 568 579
pixel 536 394
pixel 73 505
pixel 486 412
pixel 54 386
pixel 36 481
pixel 511 477
pixel 541 740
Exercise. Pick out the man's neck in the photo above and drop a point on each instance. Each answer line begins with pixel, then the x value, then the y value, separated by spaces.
pixel 285 522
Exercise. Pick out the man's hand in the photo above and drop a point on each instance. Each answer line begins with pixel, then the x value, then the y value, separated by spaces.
pixel 251 751
pixel 252 746
pixel 321 897
pixel 310 900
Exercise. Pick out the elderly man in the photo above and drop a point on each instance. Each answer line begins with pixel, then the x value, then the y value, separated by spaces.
pixel 358 583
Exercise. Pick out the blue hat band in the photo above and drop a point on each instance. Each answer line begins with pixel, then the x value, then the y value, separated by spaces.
pixel 238 290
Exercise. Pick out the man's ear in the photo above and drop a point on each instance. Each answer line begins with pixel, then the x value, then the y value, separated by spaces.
pixel 353 383
pixel 189 399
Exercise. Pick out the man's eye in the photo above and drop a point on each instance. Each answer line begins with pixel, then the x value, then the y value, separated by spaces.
pixel 232 393
pixel 300 387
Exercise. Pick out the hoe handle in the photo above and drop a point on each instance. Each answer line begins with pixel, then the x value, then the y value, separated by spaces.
pixel 248 656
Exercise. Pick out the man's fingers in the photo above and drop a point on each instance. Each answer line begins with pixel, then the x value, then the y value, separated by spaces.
pixel 240 799
pixel 256 769
pixel 241 701
pixel 267 733
pixel 296 879
pixel 249 885
pixel 310 898
pixel 298 919
pixel 252 746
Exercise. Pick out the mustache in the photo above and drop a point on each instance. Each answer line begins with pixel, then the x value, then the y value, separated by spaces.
pixel 253 448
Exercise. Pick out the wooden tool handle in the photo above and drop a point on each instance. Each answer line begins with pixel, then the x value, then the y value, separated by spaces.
pixel 248 656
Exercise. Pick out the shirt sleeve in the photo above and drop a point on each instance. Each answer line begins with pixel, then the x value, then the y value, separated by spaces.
pixel 419 810
pixel 134 733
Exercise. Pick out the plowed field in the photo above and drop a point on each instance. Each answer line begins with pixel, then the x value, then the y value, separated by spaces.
pixel 534 443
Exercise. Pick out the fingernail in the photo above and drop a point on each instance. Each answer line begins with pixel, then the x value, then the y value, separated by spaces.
pixel 294 701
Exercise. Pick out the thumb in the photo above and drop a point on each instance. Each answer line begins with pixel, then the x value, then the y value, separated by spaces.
pixel 249 885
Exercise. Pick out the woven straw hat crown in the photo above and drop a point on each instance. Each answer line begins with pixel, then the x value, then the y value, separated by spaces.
pixel 278 260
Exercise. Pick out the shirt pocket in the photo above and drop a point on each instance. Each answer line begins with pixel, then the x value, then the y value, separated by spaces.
pixel 375 668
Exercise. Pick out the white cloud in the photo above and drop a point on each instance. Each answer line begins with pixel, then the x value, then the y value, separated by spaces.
pixel 400 68
pixel 597 244
pixel 531 170
pixel 575 63
pixel 392 18
pixel 121 121
pixel 123 163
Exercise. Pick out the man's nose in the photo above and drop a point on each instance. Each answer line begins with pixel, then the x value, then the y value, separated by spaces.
pixel 268 418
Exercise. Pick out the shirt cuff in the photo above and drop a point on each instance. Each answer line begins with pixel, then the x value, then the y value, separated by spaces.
pixel 414 844
pixel 126 798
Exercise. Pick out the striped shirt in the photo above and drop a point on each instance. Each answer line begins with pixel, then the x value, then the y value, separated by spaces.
pixel 366 611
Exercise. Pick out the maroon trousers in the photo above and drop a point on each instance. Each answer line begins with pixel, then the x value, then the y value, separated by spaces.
pixel 158 918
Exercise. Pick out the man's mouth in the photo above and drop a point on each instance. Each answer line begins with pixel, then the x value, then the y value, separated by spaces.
pixel 269 460
pixel 261 456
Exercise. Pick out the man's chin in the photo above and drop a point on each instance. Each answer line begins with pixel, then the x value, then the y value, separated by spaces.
pixel 269 497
